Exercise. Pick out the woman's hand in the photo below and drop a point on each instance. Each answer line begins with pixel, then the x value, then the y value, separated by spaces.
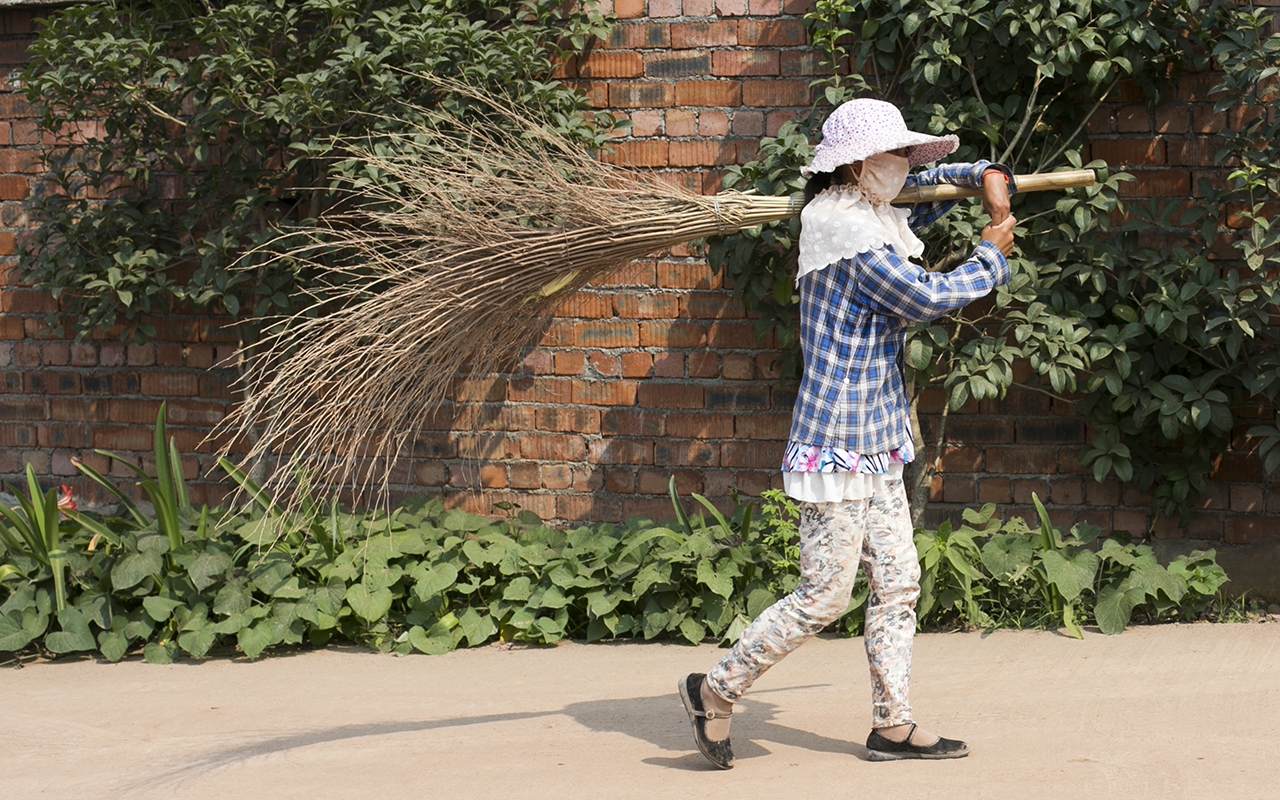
pixel 1001 234
pixel 995 196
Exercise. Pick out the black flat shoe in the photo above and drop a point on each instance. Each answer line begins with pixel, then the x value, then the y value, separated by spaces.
pixel 881 749
pixel 717 751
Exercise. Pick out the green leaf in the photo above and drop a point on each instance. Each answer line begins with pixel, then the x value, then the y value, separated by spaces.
pixel 253 641
pixel 435 580
pixel 371 606
pixel 197 643
pixel 476 627
pixel 1113 610
pixel 134 568
pixel 233 598
pixel 433 642
pixel 155 653
pixel 12 635
pixel 206 566
pixel 1070 570
pixel 708 576
pixel 113 645
pixel 693 631
pixel 160 608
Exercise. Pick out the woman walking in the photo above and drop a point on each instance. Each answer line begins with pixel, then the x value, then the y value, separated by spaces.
pixel 851 430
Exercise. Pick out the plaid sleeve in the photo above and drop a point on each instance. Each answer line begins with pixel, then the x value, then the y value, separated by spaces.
pixel 970 175
pixel 896 287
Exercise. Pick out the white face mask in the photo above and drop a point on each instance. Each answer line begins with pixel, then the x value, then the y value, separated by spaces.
pixel 883 176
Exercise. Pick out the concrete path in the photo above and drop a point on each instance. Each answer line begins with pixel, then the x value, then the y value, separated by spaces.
pixel 1167 712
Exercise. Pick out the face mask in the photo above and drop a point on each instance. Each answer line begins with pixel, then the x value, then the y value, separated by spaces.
pixel 883 176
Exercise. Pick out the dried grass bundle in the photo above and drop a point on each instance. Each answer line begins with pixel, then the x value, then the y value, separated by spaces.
pixel 454 258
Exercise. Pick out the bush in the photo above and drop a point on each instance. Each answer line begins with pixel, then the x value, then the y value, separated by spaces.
pixel 183 580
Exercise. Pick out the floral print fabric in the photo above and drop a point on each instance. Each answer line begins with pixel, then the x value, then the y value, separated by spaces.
pixel 816 458
pixel 834 538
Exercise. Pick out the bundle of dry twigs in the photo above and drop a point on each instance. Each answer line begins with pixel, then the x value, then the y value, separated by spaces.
pixel 452 261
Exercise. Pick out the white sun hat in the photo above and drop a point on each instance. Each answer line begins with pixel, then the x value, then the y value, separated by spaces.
pixel 861 128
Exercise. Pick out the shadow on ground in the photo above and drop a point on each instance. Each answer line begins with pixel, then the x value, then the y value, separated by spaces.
pixel 651 719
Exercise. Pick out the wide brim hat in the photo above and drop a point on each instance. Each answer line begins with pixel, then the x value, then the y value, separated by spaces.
pixel 861 128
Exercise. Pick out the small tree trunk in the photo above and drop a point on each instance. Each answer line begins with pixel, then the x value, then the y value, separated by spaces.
pixel 922 474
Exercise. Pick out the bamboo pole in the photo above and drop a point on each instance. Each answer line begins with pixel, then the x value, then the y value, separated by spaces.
pixel 759 210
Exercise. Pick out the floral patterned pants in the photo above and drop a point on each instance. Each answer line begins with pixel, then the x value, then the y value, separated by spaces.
pixel 833 538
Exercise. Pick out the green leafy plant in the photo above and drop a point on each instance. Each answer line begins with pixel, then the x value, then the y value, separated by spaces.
pixel 429 579
pixel 1164 344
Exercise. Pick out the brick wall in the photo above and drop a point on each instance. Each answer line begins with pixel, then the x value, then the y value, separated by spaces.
pixel 653 373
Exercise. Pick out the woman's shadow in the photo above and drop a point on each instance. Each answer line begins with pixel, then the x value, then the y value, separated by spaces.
pixel 662 722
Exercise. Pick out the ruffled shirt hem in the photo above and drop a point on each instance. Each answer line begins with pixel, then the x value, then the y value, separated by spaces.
pixel 833 487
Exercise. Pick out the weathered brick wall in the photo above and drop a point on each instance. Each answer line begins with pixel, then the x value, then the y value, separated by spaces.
pixel 653 373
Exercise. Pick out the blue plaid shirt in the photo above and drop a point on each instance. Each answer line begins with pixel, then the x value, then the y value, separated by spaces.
pixel 853 322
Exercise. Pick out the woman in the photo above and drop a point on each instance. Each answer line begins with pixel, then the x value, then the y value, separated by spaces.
pixel 851 429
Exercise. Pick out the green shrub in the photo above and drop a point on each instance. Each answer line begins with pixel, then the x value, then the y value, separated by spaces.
pixel 183 580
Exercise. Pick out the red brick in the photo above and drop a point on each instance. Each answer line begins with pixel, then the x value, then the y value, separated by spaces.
pixel 676 275
pixel 1133 119
pixel 552 447
pixel 664 8
pixel 773 94
pixel 578 420
pixel 677 64
pixel 800 62
pixel 732 335
pixel 13 187
pixel 640 95
pixel 708 93
pixel 637 154
pixel 668 365
pixel 647 306
pixel 689 35
pixel 692 454
pixel 613 393
pixel 748 123
pixel 569 362
pixel 702 153
pixel 702 364
pixel 621 451
pixel 603 363
pixel 1172 119
pixel 1206 120
pixel 712 305
pixel 651 35
pixel 1158 183
pixel 765 8
pixel 628 9
pixel 672 334
pixel 616 422
pixel 772 33
pixel 669 395
pixel 756 427
pixel 1197 87
pixel 606 334
pixel 738 367
pixel 611 64
pixel 119 438
pixel 1192 152
pixel 26 301
pixel 1129 152
pixel 169 384
pixel 745 62
pixel 713 124
pixel 1021 460
pixel 636 365
pixel 555 476
pixel 755 455
pixel 541 390
pixel 994 490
